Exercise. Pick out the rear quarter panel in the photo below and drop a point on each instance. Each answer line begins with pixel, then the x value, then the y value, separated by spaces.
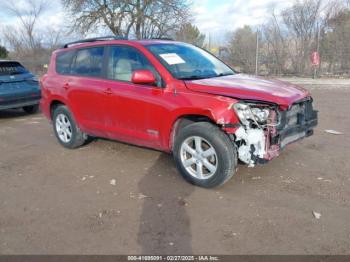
pixel 51 90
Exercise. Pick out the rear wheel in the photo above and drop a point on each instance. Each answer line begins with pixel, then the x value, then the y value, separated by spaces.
pixel 31 109
pixel 204 155
pixel 66 130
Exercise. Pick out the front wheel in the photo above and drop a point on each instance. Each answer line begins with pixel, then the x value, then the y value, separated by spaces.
pixel 204 155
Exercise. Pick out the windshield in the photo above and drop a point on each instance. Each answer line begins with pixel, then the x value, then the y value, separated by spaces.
pixel 11 68
pixel 189 62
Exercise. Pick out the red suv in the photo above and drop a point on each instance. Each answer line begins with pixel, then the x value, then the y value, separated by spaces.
pixel 176 98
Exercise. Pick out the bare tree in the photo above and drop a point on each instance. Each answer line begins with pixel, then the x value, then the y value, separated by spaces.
pixel 30 42
pixel 24 37
pixel 301 20
pixel 276 45
pixel 293 35
pixel 141 18
pixel 88 15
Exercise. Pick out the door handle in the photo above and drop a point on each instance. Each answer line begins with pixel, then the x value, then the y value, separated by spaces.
pixel 108 91
pixel 66 86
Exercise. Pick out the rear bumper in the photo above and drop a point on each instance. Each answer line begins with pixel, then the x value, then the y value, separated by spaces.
pixel 18 103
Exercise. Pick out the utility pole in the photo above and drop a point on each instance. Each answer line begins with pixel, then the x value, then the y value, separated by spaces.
pixel 209 43
pixel 257 53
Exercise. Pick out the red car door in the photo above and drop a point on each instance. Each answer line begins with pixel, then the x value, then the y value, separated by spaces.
pixel 86 92
pixel 134 111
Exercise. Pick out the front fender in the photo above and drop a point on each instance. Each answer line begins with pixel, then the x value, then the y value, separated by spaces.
pixel 223 114
pixel 217 109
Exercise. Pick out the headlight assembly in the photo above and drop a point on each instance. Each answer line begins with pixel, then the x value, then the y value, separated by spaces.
pixel 247 112
pixel 261 114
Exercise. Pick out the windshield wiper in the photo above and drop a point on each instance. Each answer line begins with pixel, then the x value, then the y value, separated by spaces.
pixel 192 77
pixel 223 74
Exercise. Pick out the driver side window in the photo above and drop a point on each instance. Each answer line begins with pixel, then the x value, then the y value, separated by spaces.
pixel 124 60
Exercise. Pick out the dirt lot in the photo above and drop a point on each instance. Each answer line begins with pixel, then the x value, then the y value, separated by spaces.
pixel 58 201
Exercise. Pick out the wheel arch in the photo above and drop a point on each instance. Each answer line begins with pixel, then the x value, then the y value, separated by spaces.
pixel 184 120
pixel 54 104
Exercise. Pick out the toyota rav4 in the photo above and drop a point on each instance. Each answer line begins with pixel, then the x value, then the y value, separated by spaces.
pixel 176 98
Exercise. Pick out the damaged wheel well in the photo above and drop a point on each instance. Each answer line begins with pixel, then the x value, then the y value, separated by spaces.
pixel 184 121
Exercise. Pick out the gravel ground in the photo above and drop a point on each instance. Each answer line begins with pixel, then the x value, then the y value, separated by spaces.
pixel 59 201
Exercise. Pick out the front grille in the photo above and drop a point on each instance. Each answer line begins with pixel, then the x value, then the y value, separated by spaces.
pixel 297 115
pixel 292 115
pixel 296 122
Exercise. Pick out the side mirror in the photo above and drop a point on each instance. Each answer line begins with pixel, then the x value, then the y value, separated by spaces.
pixel 143 77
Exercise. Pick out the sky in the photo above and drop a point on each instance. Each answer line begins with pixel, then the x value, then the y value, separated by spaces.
pixel 218 17
pixel 214 17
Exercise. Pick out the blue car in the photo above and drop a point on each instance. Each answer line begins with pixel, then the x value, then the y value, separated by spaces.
pixel 19 88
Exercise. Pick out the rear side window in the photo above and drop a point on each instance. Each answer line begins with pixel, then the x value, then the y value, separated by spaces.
pixel 64 62
pixel 89 62
pixel 12 68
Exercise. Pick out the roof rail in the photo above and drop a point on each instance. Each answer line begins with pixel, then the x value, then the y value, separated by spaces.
pixel 161 38
pixel 89 40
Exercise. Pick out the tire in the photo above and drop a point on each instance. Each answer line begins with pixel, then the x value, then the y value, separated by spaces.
pixel 66 130
pixel 31 109
pixel 223 158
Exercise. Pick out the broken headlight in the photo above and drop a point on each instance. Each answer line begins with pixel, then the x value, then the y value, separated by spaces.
pixel 247 112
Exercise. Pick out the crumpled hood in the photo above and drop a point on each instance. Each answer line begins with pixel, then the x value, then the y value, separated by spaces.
pixel 251 88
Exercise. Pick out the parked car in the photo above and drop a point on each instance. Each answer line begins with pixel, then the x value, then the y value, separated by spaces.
pixel 19 88
pixel 176 98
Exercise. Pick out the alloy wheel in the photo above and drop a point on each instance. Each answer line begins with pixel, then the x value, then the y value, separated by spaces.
pixel 198 157
pixel 63 128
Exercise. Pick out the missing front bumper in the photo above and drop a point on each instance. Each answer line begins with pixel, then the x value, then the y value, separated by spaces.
pixel 259 145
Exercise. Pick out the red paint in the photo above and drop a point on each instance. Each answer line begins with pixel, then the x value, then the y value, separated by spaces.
pixel 144 114
pixel 143 77
pixel 249 87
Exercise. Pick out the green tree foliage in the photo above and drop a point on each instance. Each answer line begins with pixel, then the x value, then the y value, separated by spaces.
pixel 3 52
pixel 190 34
pixel 335 48
pixel 242 47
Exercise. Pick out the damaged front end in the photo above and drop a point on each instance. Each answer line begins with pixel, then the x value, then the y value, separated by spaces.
pixel 266 129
